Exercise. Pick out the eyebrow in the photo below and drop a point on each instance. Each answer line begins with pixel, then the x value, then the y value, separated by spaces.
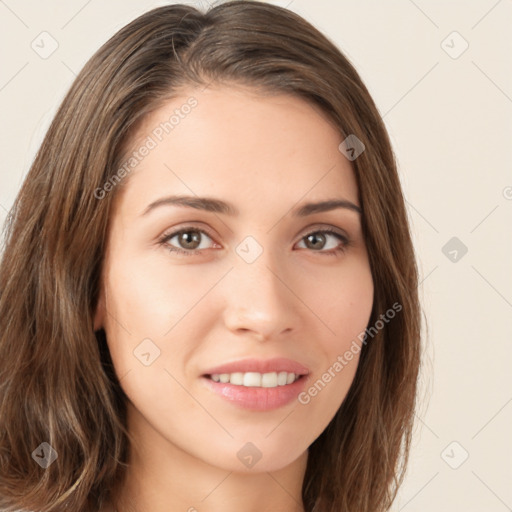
pixel 210 204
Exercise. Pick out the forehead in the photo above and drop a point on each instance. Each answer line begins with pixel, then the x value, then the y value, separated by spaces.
pixel 237 142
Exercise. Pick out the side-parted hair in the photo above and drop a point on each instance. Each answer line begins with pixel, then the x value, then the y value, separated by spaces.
pixel 57 383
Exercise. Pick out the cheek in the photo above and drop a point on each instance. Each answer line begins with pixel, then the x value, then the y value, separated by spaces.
pixel 347 312
pixel 344 306
pixel 144 307
pixel 152 306
pixel 344 303
pixel 150 297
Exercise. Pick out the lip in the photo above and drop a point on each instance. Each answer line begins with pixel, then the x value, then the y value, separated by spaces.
pixel 258 398
pixel 276 364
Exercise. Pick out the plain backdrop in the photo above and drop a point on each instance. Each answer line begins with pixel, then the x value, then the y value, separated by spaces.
pixel 440 73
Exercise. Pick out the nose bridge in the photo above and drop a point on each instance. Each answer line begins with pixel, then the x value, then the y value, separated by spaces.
pixel 259 299
pixel 257 270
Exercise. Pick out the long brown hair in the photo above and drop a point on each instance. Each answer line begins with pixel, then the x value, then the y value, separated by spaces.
pixel 57 382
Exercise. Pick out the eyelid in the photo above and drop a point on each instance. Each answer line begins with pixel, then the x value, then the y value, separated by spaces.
pixel 186 224
pixel 344 241
pixel 324 227
pixel 171 232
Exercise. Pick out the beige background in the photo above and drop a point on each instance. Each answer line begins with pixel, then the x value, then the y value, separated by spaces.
pixel 449 113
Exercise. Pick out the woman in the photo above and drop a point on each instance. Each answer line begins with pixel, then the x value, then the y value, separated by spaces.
pixel 269 365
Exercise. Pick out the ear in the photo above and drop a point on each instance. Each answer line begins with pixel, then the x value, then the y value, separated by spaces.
pixel 99 313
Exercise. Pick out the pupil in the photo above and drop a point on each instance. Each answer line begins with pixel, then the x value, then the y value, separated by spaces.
pixel 190 239
pixel 315 237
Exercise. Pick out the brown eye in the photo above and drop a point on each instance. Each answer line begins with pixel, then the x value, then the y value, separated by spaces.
pixel 317 240
pixel 187 241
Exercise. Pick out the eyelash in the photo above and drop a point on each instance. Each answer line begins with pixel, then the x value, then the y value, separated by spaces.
pixel 333 252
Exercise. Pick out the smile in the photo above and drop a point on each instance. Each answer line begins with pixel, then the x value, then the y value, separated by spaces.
pixel 255 379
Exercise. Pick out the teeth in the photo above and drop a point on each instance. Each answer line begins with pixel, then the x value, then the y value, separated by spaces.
pixel 255 379
pixel 252 379
pixel 234 378
pixel 282 378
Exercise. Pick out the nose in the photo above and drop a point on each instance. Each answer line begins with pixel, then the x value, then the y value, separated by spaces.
pixel 259 299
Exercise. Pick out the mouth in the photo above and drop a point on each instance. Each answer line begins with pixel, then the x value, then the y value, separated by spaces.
pixel 257 385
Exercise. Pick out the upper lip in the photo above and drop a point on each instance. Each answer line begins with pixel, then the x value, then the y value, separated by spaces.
pixel 277 364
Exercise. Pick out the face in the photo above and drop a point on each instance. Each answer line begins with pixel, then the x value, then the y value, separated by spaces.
pixel 221 319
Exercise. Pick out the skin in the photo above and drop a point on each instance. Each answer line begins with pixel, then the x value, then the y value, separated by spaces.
pixel 266 155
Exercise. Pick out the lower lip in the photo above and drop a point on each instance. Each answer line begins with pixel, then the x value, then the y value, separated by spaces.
pixel 257 398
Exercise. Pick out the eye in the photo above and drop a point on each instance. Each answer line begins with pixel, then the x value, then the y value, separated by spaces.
pixel 190 240
pixel 314 241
